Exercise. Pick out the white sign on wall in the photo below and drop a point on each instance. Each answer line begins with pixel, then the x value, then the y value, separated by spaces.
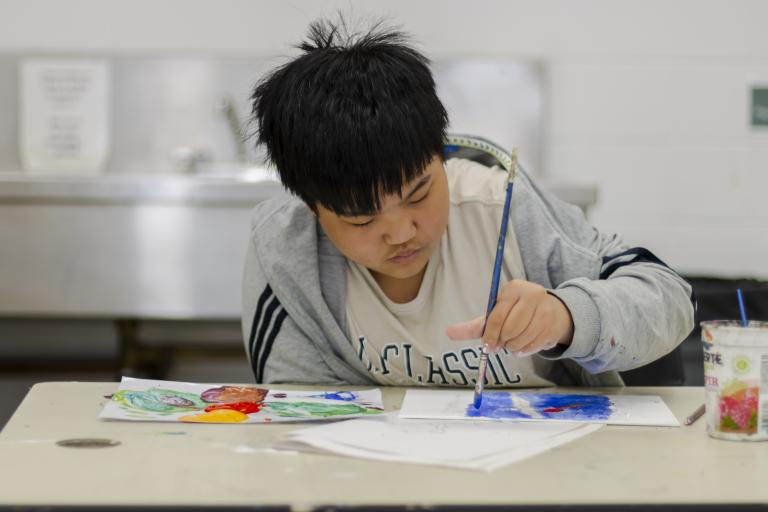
pixel 64 115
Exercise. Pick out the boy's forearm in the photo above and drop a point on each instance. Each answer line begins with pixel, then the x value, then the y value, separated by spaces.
pixel 641 313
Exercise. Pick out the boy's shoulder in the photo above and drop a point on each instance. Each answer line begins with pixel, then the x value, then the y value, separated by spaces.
pixel 282 217
pixel 280 212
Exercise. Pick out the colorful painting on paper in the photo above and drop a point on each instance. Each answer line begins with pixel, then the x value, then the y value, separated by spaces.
pixel 154 400
pixel 528 406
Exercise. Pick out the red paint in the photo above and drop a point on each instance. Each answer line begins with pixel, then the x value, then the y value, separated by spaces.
pixel 243 407
pixel 561 409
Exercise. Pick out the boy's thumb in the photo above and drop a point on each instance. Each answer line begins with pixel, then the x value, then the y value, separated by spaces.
pixel 469 330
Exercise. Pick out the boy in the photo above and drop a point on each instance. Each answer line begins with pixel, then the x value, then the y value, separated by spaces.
pixel 377 270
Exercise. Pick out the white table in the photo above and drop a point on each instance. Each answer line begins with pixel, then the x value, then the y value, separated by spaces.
pixel 159 464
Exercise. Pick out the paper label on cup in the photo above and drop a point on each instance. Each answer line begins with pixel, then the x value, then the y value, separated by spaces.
pixel 737 389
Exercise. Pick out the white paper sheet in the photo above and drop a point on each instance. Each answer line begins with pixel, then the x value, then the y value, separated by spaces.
pixel 158 400
pixel 476 445
pixel 546 407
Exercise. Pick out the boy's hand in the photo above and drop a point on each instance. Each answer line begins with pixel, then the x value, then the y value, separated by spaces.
pixel 526 319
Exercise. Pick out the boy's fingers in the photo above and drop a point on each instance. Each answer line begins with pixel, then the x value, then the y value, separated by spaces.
pixel 537 324
pixel 533 345
pixel 469 330
pixel 493 326
pixel 518 320
pixel 543 342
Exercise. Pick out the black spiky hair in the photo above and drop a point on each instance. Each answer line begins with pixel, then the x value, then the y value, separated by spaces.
pixel 354 117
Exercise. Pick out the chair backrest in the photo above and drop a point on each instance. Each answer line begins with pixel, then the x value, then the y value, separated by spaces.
pixel 453 150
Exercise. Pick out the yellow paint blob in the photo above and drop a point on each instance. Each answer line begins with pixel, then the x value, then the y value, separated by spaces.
pixel 217 416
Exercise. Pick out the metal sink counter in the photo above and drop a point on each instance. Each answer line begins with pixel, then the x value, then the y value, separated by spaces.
pixel 125 246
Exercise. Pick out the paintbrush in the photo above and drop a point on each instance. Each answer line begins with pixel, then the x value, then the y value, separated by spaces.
pixel 483 367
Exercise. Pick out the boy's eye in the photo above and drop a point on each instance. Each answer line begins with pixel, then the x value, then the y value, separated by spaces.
pixel 420 199
pixel 361 224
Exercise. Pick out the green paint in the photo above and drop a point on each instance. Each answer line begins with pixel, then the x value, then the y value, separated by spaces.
pixel 316 410
pixel 159 401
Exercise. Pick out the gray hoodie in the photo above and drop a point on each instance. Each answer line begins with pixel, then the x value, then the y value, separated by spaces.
pixel 628 307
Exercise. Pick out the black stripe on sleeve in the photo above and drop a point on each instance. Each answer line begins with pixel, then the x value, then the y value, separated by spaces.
pixel 628 257
pixel 266 294
pixel 270 341
pixel 635 255
pixel 260 335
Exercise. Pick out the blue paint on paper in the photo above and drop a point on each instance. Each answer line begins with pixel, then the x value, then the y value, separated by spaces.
pixel 496 405
pixel 499 405
pixel 344 396
pixel 571 407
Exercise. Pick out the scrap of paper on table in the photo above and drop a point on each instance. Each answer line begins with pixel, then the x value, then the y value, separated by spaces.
pixel 157 400
pixel 475 445
pixel 646 410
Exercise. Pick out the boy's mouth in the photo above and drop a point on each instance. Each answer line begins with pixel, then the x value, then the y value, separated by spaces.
pixel 405 256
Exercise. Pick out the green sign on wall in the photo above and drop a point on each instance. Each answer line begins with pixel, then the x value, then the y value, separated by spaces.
pixel 760 106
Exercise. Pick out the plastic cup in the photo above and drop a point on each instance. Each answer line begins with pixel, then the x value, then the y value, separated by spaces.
pixel 736 379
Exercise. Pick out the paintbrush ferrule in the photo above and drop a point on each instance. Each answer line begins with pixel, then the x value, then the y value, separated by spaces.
pixel 480 384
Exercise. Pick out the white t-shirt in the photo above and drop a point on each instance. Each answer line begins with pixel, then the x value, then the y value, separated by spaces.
pixel 406 344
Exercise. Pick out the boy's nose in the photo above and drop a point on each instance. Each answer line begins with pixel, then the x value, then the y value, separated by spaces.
pixel 400 230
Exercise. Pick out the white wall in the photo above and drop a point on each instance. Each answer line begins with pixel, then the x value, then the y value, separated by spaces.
pixel 667 139
pixel 646 98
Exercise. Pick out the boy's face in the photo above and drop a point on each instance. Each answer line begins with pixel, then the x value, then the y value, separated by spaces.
pixel 396 242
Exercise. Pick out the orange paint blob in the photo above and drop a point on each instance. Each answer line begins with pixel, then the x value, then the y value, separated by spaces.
pixel 217 416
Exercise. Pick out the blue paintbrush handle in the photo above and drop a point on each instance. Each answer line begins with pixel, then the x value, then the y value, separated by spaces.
pixel 499 254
